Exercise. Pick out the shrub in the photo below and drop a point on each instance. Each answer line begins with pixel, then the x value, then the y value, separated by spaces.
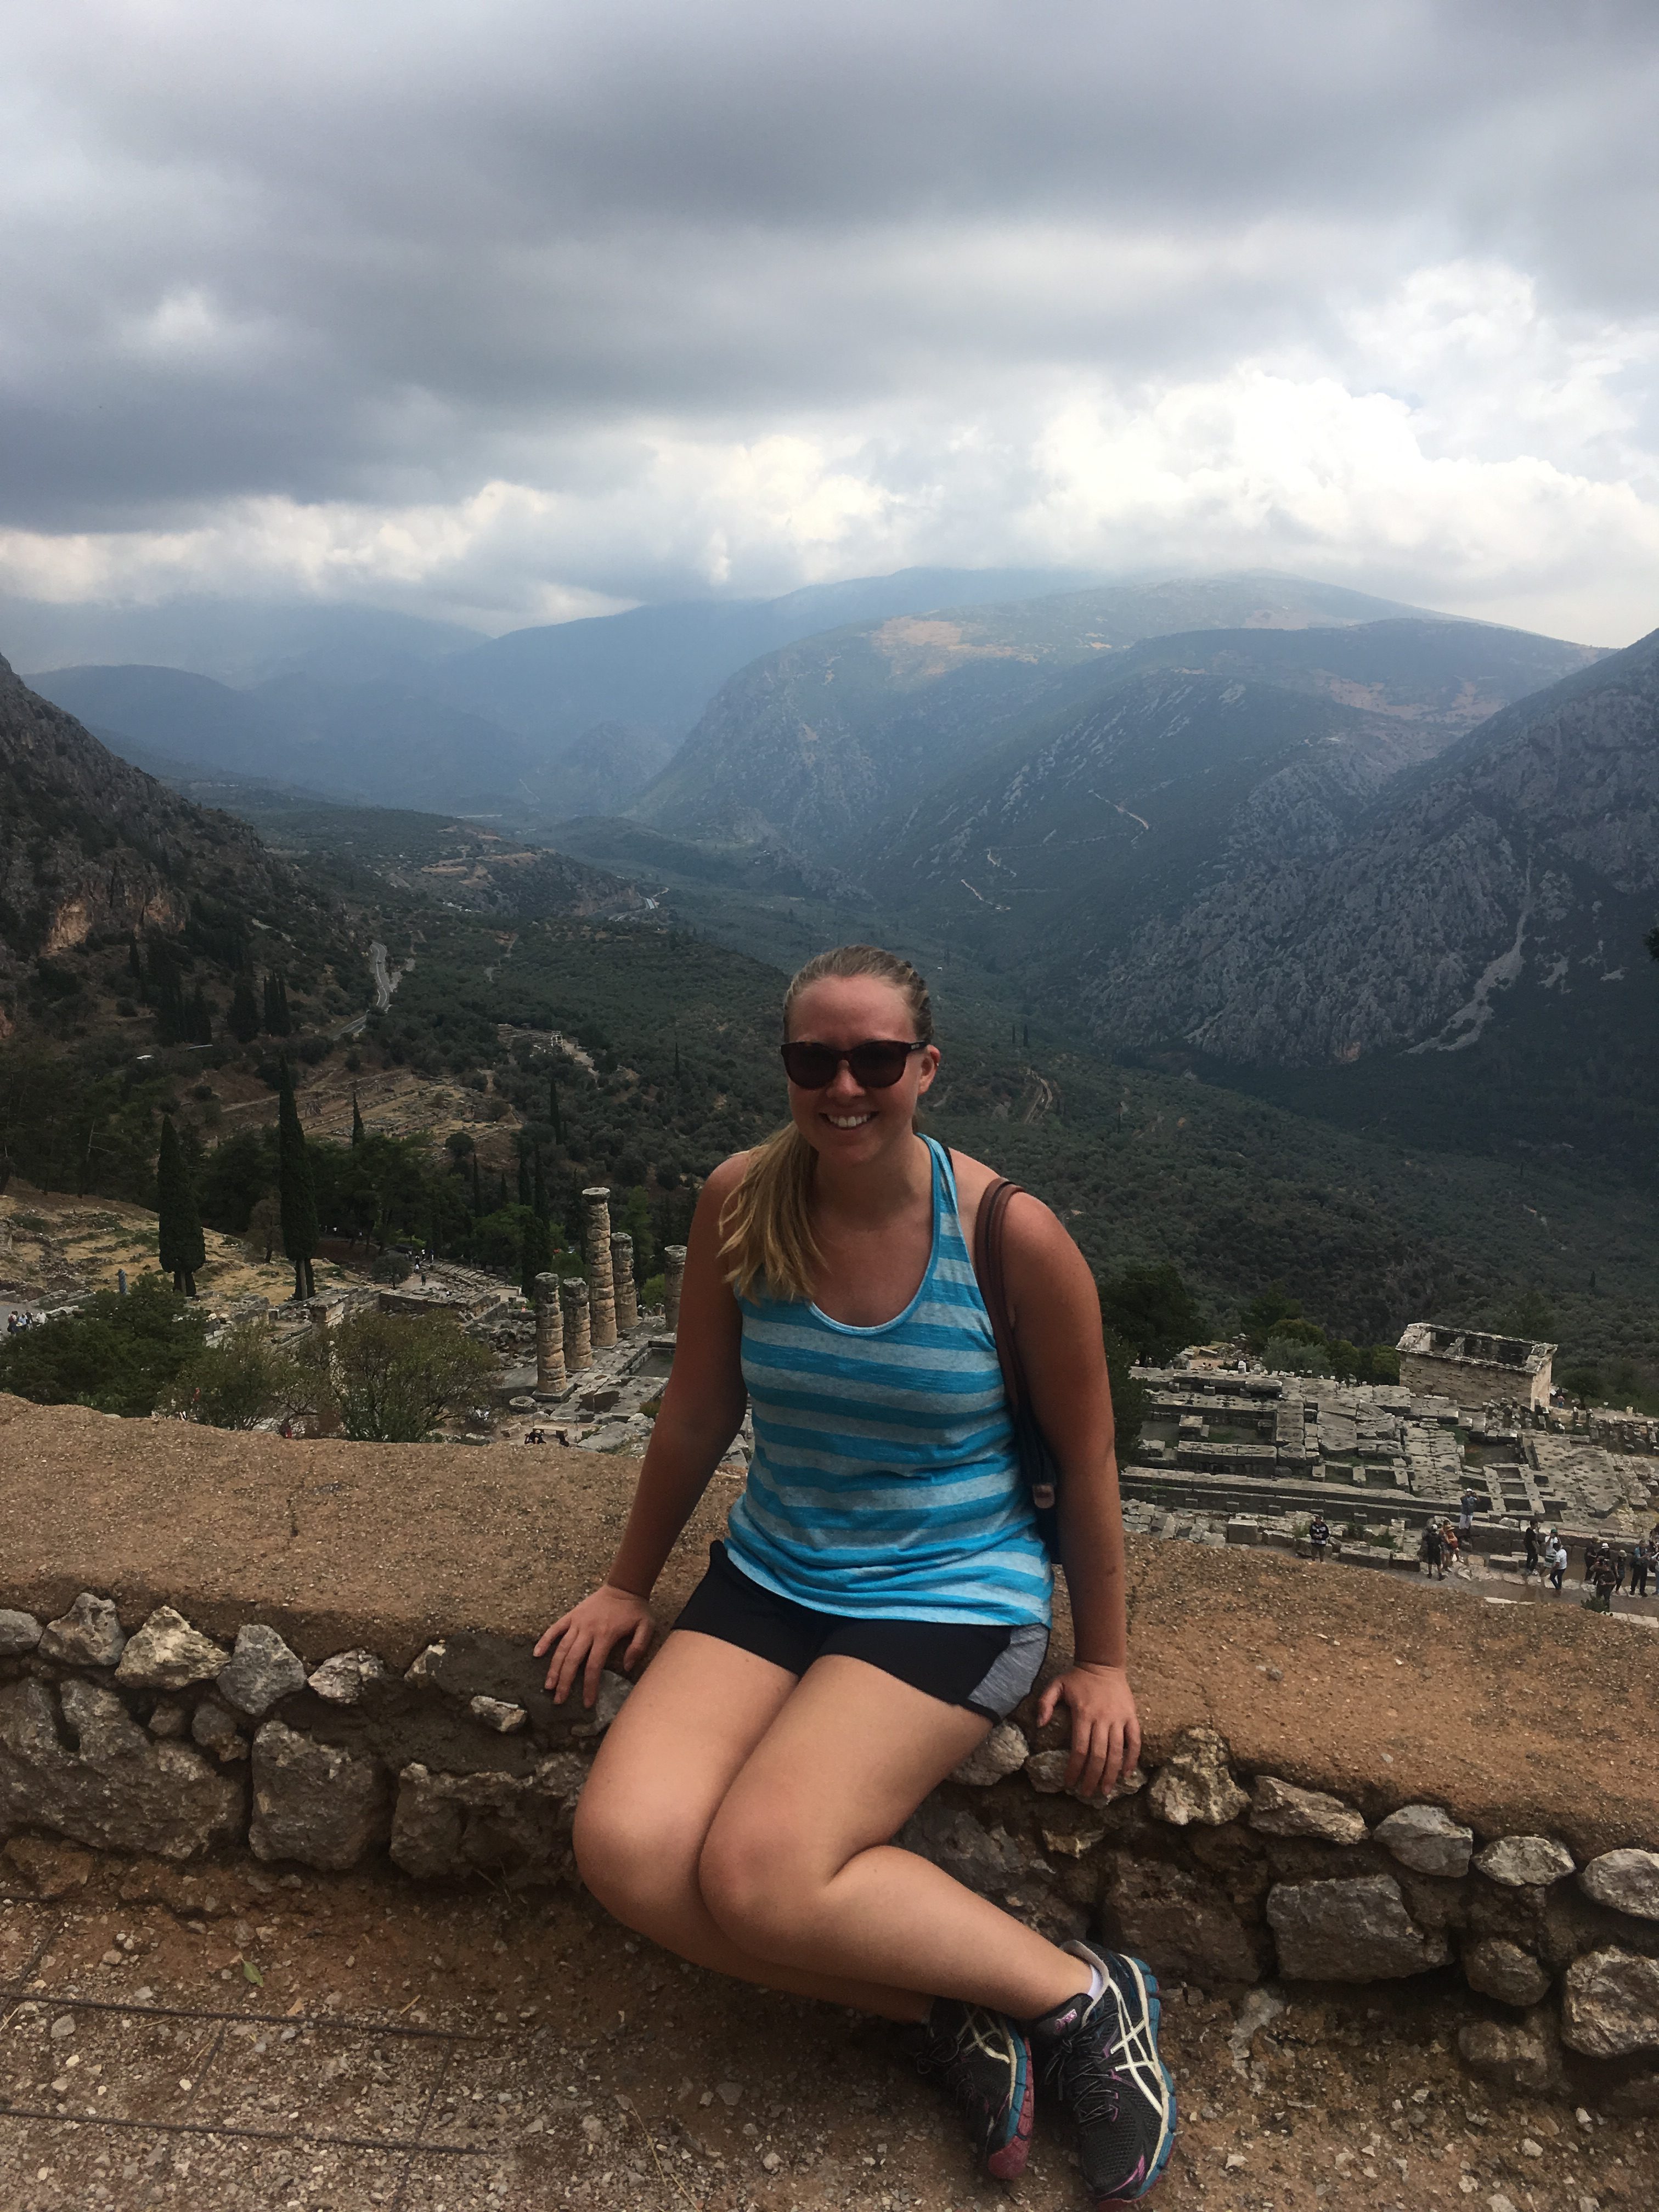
pixel 391 1378
pixel 238 1382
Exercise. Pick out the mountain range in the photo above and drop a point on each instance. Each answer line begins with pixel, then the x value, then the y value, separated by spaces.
pixel 538 725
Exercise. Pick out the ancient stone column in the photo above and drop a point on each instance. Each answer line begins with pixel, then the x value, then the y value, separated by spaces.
pixel 622 1276
pixel 316 1315
pixel 549 1336
pixel 578 1344
pixel 674 1275
pixel 599 1282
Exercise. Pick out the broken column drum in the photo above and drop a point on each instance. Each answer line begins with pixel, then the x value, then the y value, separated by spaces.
pixel 577 1343
pixel 673 1275
pixel 549 1336
pixel 316 1315
pixel 621 1277
pixel 600 1286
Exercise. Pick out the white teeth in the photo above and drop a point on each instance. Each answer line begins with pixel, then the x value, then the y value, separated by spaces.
pixel 848 1121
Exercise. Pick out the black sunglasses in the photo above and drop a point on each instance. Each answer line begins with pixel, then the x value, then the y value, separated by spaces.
pixel 877 1064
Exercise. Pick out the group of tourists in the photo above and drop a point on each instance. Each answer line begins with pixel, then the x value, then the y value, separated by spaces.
pixel 16 1323
pixel 1609 1568
pixel 1441 1546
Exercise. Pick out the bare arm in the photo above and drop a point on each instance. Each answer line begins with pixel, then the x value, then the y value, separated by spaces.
pixel 701 1409
pixel 1055 1310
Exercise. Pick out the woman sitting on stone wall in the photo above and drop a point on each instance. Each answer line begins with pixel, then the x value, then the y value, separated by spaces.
pixel 882 1599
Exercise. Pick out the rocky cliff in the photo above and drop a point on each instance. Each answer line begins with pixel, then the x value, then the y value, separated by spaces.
pixel 1524 862
pixel 90 846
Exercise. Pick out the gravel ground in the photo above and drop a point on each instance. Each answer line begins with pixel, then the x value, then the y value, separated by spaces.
pixel 440 2051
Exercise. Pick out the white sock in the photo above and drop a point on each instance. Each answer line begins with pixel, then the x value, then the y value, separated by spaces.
pixel 1096 1984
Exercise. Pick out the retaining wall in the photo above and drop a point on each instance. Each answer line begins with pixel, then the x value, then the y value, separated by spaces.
pixel 1344 1781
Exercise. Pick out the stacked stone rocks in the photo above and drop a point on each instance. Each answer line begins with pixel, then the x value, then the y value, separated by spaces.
pixel 170 1740
pixel 600 1282
pixel 673 1276
pixel 550 1376
pixel 622 1276
pixel 578 1340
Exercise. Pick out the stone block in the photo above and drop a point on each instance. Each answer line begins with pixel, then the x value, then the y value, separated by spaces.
pixel 262 1672
pixel 1046 1772
pixel 1525 1861
pixel 168 1654
pixel 79 1765
pixel 1426 1838
pixel 214 1727
pixel 1003 1752
pixel 88 1635
pixel 315 1802
pixel 1356 1931
pixel 1180 1924
pixel 988 1860
pixel 1280 1808
pixel 448 1824
pixel 1524 2059
pixel 1504 1970
pixel 1625 1880
pixel 1195 1784
pixel 495 1713
pixel 342 1680
pixel 1610 2004
pixel 19 1632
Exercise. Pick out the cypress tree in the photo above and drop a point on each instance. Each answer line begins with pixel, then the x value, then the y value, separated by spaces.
pixel 553 1113
pixel 178 1221
pixel 358 1132
pixel 500 1193
pixel 477 1195
pixel 243 1019
pixel 201 1018
pixel 524 1176
pixel 538 1193
pixel 135 965
pixel 535 1255
pixel 296 1192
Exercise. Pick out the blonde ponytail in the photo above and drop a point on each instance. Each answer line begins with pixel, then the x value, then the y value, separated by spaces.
pixel 766 1225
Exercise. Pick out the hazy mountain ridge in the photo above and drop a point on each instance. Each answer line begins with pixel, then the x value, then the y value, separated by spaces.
pixel 821 737
pixel 1527 858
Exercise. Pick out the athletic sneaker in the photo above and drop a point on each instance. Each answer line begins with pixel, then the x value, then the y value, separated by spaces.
pixel 1100 2057
pixel 984 2060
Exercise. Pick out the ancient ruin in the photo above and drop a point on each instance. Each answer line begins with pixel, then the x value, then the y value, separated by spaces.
pixel 1471 1368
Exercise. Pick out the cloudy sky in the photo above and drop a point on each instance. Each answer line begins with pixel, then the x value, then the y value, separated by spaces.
pixel 512 310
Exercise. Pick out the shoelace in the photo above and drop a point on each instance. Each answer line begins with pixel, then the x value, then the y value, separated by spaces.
pixel 950 2059
pixel 1084 2078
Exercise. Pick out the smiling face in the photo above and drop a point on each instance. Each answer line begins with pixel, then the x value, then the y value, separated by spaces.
pixel 842 1121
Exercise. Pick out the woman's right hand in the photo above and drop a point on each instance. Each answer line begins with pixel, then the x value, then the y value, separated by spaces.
pixel 582 1640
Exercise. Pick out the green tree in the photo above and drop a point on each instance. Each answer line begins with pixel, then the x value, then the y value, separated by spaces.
pixel 243 1019
pixel 557 1118
pixel 358 1132
pixel 1260 1318
pixel 393 1377
pixel 296 1192
pixel 182 1249
pixel 115 1354
pixel 535 1252
pixel 239 1382
pixel 1153 1311
pixel 1131 1399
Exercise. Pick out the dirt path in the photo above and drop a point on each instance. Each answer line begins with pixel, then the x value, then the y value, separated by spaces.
pixel 434 2051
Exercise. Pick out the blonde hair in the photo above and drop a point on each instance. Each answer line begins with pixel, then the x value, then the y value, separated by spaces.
pixel 765 1228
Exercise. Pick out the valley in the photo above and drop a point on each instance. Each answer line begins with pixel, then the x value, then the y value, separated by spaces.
pixel 1145 840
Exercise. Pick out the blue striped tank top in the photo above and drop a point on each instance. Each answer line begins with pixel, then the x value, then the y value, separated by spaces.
pixel 885 1482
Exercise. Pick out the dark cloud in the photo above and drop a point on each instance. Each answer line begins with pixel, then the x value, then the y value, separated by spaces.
pixel 385 255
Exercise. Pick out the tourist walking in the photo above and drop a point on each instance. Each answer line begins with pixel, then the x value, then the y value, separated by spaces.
pixel 1605 1580
pixel 1555 1559
pixel 882 1598
pixel 1432 1553
pixel 1532 1544
pixel 1640 1565
pixel 1319 1538
pixel 1466 1510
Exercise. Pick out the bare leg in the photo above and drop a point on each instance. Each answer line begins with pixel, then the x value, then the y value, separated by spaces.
pixel 666 1763
pixel 797 1868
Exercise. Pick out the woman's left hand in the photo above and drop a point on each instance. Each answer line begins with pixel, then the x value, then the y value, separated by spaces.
pixel 1105 1727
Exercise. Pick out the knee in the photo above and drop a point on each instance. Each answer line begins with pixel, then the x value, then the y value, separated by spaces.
pixel 636 1859
pixel 756 1883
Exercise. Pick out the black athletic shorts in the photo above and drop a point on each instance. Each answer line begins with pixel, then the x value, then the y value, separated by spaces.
pixel 985 1666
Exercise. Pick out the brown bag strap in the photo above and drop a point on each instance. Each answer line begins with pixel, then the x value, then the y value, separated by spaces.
pixel 989 1228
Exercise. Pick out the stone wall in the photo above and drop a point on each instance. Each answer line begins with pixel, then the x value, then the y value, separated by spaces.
pixel 320 1652
pixel 172 1743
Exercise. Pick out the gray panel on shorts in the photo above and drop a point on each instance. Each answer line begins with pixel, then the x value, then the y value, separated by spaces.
pixel 1012 1675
